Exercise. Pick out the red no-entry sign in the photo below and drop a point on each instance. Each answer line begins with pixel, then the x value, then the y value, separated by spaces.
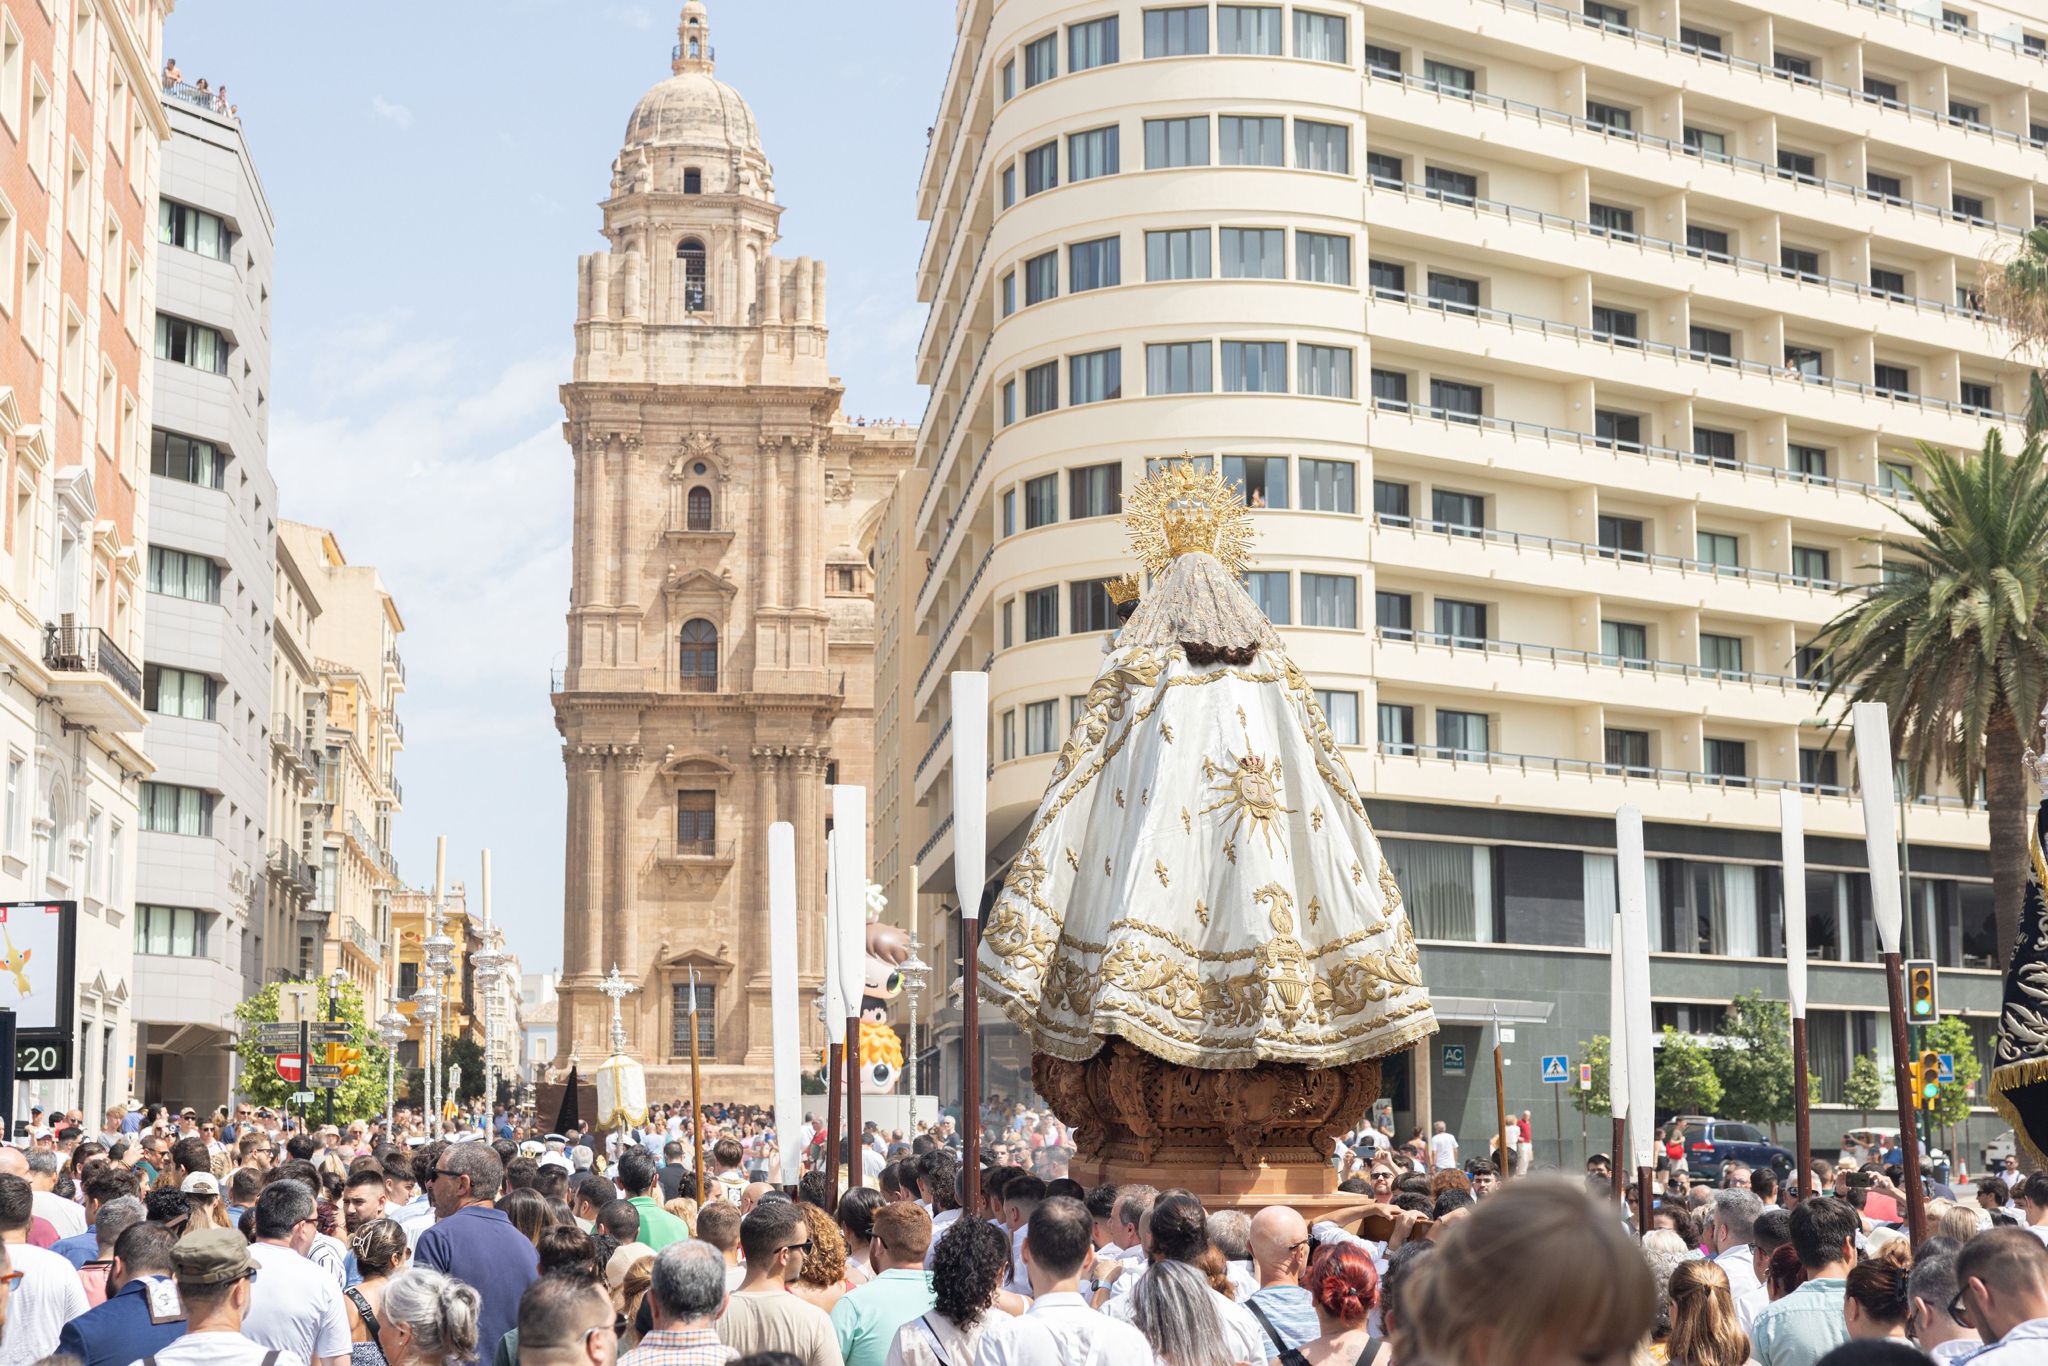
pixel 289 1066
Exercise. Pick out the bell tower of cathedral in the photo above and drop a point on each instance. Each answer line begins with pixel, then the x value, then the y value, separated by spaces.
pixel 715 681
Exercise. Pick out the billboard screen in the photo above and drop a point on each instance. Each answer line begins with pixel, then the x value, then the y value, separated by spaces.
pixel 35 963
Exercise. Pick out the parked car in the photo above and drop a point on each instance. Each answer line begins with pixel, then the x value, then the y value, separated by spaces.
pixel 1996 1151
pixel 1711 1142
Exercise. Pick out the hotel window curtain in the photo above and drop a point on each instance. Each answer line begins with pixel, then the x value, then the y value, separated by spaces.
pixel 1600 901
pixel 1448 888
pixel 1653 901
pixel 1827 1053
pixel 1736 936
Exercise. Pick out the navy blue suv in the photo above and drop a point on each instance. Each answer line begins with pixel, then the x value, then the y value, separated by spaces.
pixel 1711 1142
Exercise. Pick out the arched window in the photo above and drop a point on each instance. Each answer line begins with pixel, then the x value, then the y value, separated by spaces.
pixel 699 510
pixel 691 252
pixel 699 656
pixel 693 181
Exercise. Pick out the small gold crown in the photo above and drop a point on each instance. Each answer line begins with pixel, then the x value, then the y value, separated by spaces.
pixel 1124 588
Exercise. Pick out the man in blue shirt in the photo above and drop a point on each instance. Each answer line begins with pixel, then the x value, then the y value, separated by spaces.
pixel 473 1241
pixel 1807 1324
pixel 108 1184
pixel 141 1315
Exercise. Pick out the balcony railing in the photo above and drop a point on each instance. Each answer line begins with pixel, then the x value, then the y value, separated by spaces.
pixel 394 663
pixel 702 851
pixel 1594 768
pixel 1594 659
pixel 365 942
pixel 931 750
pixel 212 101
pixel 397 790
pixel 291 864
pixel 397 726
pixel 88 649
pixel 967 592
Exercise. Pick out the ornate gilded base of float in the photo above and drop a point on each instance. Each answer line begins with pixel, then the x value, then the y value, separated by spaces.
pixel 1238 1138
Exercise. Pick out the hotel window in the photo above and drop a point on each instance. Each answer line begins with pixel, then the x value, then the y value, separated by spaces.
pixel 1800 166
pixel 1260 479
pixel 1461 625
pixel 1709 145
pixel 1010 80
pixel 1883 91
pixel 177 574
pixel 1610 220
pixel 171 810
pixel 1819 771
pixel 1967 208
pixel 1456 401
pixel 1319 37
pixel 1798 68
pixel 1390 390
pixel 1009 293
pixel 1095 377
pixel 1322 258
pixel 1009 625
pixel 1715 447
pixel 1625 641
pixel 1718 549
pixel 194 230
pixel 1810 565
pixel 1711 243
pixel 1249 30
pixel 1727 759
pixel 1396 728
pixel 1089 607
pixel 1386 171
pixel 1721 656
pixel 1254 254
pixel 1699 42
pixel 1393 615
pixel 178 692
pixel 1041 169
pixel 680 1017
pixel 1460 513
pixel 171 931
pixel 1614 324
pixel 696 822
pixel 1095 491
pixel 1613 430
pixel 1390 502
pixel 1322 146
pixel 1010 186
pixel 1254 367
pixel 1340 710
pixel 1041 60
pixel 190 343
pixel 1009 735
pixel 1041 501
pixel 1382 61
pixel 1713 344
pixel 1622 537
pixel 1628 750
pixel 1092 44
pixel 1041 614
pixel 1388 280
pixel 1895 476
pixel 1326 485
pixel 1042 388
pixel 1892 379
pixel 1269 591
pixel 1094 153
pixel 15 765
pixel 1809 461
pixel 1095 265
pixel 1453 187
pixel 1453 293
pixel 1329 600
pixel 1611 117
pixel 1800 263
pixel 1325 370
pixel 1605 16
pixel 1041 727
pixel 186 459
pixel 1177 254
pixel 1009 402
pixel 1182 31
pixel 1245 140
pixel 1042 278
pixel 1889 188
pixel 1462 734
pixel 1449 79
pixel 1176 142
pixel 1178 368
pixel 1889 283
pixel 1976 397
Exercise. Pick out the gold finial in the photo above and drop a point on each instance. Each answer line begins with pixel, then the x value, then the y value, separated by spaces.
pixel 1123 588
pixel 1184 509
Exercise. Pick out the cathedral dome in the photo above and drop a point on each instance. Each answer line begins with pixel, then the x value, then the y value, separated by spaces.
pixel 693 133
pixel 696 110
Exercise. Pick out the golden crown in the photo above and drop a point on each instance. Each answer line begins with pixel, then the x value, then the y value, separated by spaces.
pixel 1123 588
pixel 1185 509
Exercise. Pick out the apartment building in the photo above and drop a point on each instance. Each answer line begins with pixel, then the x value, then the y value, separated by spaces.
pixel 411 911
pixel 81 137
pixel 202 885
pixel 295 923
pixel 356 728
pixel 1567 356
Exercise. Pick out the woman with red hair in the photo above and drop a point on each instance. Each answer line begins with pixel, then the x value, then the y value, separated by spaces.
pixel 1343 1287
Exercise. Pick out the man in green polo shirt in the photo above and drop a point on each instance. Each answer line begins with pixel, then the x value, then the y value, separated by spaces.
pixel 637 1174
pixel 867 1317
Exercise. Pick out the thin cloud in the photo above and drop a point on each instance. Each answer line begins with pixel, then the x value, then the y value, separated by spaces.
pixel 397 115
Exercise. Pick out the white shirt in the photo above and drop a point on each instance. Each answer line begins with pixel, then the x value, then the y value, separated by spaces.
pixel 871 1163
pixel 296 1307
pixel 941 1221
pixel 1241 1332
pixel 64 1215
pixel 48 1296
pixel 1061 1330
pixel 2025 1345
pixel 2038 1230
pixel 1019 1283
pixel 1954 1350
pixel 1443 1150
pixel 218 1349
pixel 1244 1279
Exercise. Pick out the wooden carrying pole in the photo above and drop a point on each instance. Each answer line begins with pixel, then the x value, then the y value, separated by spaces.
pixel 1792 853
pixel 1635 972
pixel 970 869
pixel 787 1029
pixel 1872 725
pixel 834 1011
pixel 1500 1105
pixel 850 837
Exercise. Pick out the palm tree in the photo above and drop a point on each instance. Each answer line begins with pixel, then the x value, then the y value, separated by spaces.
pixel 2014 292
pixel 1955 640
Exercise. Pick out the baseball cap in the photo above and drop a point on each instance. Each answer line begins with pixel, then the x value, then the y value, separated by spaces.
pixel 211 1256
pixel 201 1183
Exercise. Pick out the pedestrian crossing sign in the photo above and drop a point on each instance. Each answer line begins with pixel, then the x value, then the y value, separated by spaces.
pixel 1554 1068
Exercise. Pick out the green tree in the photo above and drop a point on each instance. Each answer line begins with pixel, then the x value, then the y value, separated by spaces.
pixel 467 1054
pixel 358 1097
pixel 1952 1036
pixel 1752 1055
pixel 1595 1101
pixel 1865 1087
pixel 1686 1084
pixel 1954 639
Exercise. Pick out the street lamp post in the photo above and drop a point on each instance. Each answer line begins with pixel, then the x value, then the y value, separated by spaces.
pixel 391 1029
pixel 915 973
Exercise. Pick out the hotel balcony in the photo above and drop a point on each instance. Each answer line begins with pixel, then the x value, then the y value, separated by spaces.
pixel 95 684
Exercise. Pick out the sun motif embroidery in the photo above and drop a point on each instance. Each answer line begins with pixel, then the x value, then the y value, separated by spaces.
pixel 1249 792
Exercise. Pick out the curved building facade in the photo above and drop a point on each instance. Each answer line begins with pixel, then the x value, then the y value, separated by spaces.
pixel 1567 357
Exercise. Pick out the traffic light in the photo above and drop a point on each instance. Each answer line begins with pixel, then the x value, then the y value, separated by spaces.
pixel 344 1057
pixel 1913 1084
pixel 1921 1006
pixel 1927 1084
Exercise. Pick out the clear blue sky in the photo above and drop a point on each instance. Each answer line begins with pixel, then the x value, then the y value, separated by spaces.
pixel 434 168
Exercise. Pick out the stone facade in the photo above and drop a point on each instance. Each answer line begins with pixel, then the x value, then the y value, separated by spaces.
pixel 721 624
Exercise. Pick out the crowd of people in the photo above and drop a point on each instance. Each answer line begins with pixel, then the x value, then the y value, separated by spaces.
pixel 178 1239
pixel 200 93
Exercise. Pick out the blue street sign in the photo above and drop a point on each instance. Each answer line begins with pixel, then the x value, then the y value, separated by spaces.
pixel 1948 1068
pixel 1554 1068
pixel 1454 1060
